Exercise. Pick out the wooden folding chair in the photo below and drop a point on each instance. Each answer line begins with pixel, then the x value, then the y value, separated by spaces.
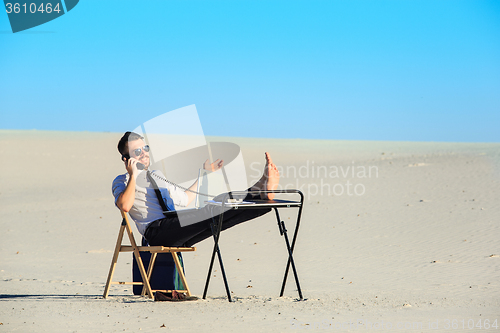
pixel 154 250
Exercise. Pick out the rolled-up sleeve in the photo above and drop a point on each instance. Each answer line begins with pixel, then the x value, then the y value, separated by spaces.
pixel 179 197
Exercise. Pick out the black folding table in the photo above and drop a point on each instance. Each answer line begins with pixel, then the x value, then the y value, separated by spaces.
pixel 256 204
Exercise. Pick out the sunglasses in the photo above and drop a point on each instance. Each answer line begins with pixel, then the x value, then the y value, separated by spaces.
pixel 138 151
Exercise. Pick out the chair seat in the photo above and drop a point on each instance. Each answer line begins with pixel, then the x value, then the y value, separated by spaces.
pixel 157 249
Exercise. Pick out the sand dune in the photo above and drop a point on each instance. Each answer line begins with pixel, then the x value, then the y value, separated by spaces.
pixel 403 234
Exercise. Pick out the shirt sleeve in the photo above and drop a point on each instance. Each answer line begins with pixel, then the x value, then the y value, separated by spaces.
pixel 119 186
pixel 178 195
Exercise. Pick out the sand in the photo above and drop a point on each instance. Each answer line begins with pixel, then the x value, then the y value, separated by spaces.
pixel 408 242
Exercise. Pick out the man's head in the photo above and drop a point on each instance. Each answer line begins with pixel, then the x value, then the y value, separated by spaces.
pixel 132 145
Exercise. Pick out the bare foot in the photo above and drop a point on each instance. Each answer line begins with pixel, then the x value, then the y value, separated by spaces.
pixel 261 183
pixel 272 176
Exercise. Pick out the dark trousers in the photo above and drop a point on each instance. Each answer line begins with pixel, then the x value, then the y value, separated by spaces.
pixel 169 232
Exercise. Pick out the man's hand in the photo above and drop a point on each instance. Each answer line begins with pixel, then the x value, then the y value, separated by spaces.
pixel 131 166
pixel 126 200
pixel 213 166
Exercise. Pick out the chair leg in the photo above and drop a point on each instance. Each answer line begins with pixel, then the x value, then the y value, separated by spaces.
pixel 180 271
pixel 114 261
pixel 150 271
pixel 140 264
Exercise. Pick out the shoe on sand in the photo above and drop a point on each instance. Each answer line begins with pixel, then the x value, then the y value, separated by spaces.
pixel 174 296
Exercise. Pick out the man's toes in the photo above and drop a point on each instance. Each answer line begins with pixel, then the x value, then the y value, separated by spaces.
pixel 273 167
pixel 268 158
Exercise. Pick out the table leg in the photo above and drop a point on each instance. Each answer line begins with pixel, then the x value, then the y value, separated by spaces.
pixel 283 232
pixel 216 249
pixel 209 273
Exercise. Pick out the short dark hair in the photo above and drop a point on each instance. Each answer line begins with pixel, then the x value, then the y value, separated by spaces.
pixel 123 143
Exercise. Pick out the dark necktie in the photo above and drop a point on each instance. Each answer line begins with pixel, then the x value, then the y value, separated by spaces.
pixel 157 191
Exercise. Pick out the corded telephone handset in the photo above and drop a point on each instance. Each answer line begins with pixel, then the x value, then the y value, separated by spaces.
pixel 139 166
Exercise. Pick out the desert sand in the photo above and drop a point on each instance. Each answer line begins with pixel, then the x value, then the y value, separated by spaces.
pixel 408 242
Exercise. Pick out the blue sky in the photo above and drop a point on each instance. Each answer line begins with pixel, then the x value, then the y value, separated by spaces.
pixel 342 70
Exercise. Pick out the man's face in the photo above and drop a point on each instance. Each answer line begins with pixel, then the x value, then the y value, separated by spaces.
pixel 135 146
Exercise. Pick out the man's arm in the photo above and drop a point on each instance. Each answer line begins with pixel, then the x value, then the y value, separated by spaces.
pixel 207 166
pixel 126 200
pixel 191 195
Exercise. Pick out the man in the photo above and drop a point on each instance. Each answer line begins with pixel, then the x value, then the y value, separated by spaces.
pixel 135 193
